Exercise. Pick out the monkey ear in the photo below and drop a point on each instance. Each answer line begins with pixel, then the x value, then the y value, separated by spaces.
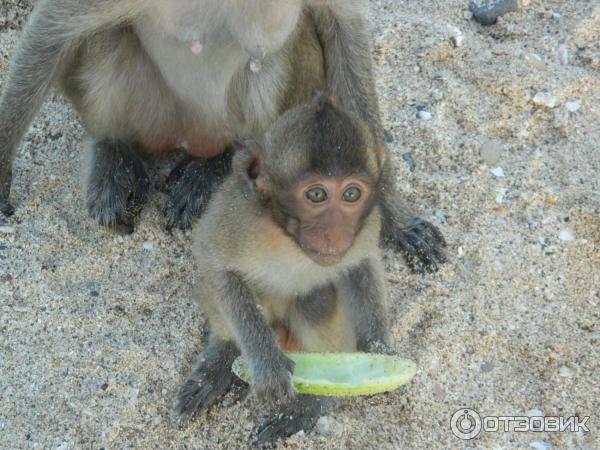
pixel 247 164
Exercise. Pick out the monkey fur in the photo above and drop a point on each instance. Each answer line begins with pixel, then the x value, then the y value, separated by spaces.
pixel 148 76
pixel 288 258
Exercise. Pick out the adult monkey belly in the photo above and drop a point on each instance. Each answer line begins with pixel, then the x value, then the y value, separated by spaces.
pixel 148 76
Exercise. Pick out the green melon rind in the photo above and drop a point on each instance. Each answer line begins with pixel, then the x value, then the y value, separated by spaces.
pixel 398 371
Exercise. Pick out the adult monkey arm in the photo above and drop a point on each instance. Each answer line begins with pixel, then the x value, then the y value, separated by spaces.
pixel 53 31
pixel 343 31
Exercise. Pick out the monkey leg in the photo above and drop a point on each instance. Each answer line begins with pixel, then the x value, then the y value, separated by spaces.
pixel 210 379
pixel 420 241
pixel 363 293
pixel 302 413
pixel 117 185
pixel 192 183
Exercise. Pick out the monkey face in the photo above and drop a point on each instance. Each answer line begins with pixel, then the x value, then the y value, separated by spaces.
pixel 328 213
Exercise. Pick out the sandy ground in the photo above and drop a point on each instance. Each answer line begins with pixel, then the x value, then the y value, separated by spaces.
pixel 98 329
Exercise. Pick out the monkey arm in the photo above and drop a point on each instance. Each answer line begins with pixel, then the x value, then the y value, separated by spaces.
pixel 53 30
pixel 364 294
pixel 269 367
pixel 420 241
pixel 343 31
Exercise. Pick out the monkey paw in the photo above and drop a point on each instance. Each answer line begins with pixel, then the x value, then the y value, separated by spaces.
pixel 273 381
pixel 422 243
pixel 192 183
pixel 117 186
pixel 302 413
pixel 201 390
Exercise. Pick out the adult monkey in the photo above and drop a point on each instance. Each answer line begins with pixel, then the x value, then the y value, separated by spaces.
pixel 149 75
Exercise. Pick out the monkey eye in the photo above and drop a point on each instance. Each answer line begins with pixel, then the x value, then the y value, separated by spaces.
pixel 316 195
pixel 351 194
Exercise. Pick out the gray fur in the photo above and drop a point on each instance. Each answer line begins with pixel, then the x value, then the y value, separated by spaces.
pixel 117 184
pixel 128 69
pixel 269 368
pixel 211 377
pixel 252 275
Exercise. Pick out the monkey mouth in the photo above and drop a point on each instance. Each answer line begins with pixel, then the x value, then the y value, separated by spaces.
pixel 322 258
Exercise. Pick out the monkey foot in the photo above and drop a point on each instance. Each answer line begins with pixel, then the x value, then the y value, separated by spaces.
pixel 117 186
pixel 211 378
pixel 302 413
pixel 422 243
pixel 200 391
pixel 192 183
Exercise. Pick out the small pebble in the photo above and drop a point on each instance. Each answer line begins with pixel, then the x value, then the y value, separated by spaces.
pixel 441 216
pixel 562 54
pixel 486 12
pixel 388 136
pixel 456 36
pixel 551 200
pixel 327 426
pixel 408 159
pixel 490 151
pixel 424 115
pixel 487 367
pixel 566 235
pixel 497 172
pixel 573 106
pixel 535 61
pixel 545 99
pixel 7 230
pixel 148 246
pixel 3 247
pixel 439 392
pixel 501 196
pixel 539 445
pixel 565 371
pixel 534 413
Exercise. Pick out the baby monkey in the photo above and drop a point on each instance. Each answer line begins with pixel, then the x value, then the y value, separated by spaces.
pixel 289 260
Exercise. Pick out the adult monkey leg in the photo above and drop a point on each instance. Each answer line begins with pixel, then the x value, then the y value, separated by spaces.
pixel 343 31
pixel 191 184
pixel 54 29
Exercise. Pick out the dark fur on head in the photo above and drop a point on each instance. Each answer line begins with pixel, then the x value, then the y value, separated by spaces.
pixel 319 138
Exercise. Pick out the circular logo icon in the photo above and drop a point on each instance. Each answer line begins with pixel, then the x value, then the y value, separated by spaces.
pixel 466 424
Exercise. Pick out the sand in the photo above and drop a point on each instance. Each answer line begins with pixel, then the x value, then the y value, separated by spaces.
pixel 98 330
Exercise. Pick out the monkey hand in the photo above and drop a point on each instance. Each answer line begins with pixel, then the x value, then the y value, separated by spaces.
pixel 273 379
pixel 422 243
